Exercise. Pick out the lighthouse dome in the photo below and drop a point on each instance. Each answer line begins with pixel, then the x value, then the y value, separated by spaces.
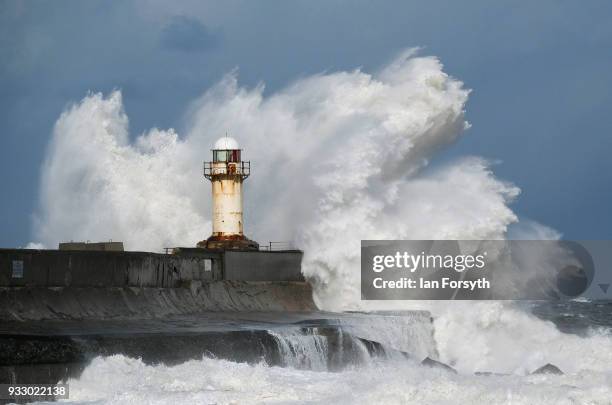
pixel 226 143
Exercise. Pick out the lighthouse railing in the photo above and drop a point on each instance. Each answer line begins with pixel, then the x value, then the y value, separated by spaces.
pixel 242 169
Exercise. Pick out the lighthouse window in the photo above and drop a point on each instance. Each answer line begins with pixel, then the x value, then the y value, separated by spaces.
pixel 226 155
pixel 220 155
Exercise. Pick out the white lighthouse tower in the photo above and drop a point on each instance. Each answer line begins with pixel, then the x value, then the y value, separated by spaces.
pixel 227 172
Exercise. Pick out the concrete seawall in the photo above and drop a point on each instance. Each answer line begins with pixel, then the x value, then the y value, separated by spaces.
pixel 316 341
pixel 53 284
pixel 55 268
pixel 44 303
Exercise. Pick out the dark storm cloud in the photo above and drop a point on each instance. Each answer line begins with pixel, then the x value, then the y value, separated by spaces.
pixel 188 34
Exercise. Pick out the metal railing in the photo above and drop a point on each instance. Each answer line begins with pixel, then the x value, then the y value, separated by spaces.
pixel 242 169
pixel 275 246
pixel 268 247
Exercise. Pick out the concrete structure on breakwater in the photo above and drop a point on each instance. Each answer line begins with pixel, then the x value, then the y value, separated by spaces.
pixel 54 284
pixel 55 268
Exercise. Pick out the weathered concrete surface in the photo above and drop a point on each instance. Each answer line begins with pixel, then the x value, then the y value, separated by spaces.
pixel 95 246
pixel 53 284
pixel 31 352
pixel 42 303
pixel 54 268
pixel 248 266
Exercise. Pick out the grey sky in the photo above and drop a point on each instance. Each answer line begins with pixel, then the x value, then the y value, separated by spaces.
pixel 541 74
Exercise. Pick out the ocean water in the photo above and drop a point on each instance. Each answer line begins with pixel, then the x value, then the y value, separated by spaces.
pixel 505 339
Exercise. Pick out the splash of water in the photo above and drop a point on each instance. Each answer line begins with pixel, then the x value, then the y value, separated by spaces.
pixel 302 350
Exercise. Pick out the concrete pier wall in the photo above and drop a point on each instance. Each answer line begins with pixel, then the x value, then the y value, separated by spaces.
pixel 55 268
pixel 54 284
pixel 131 303
pixel 263 266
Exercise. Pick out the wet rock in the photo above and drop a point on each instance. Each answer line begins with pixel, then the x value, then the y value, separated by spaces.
pixel 548 369
pixel 429 362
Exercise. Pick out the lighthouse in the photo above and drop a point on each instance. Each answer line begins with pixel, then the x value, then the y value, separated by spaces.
pixel 226 172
